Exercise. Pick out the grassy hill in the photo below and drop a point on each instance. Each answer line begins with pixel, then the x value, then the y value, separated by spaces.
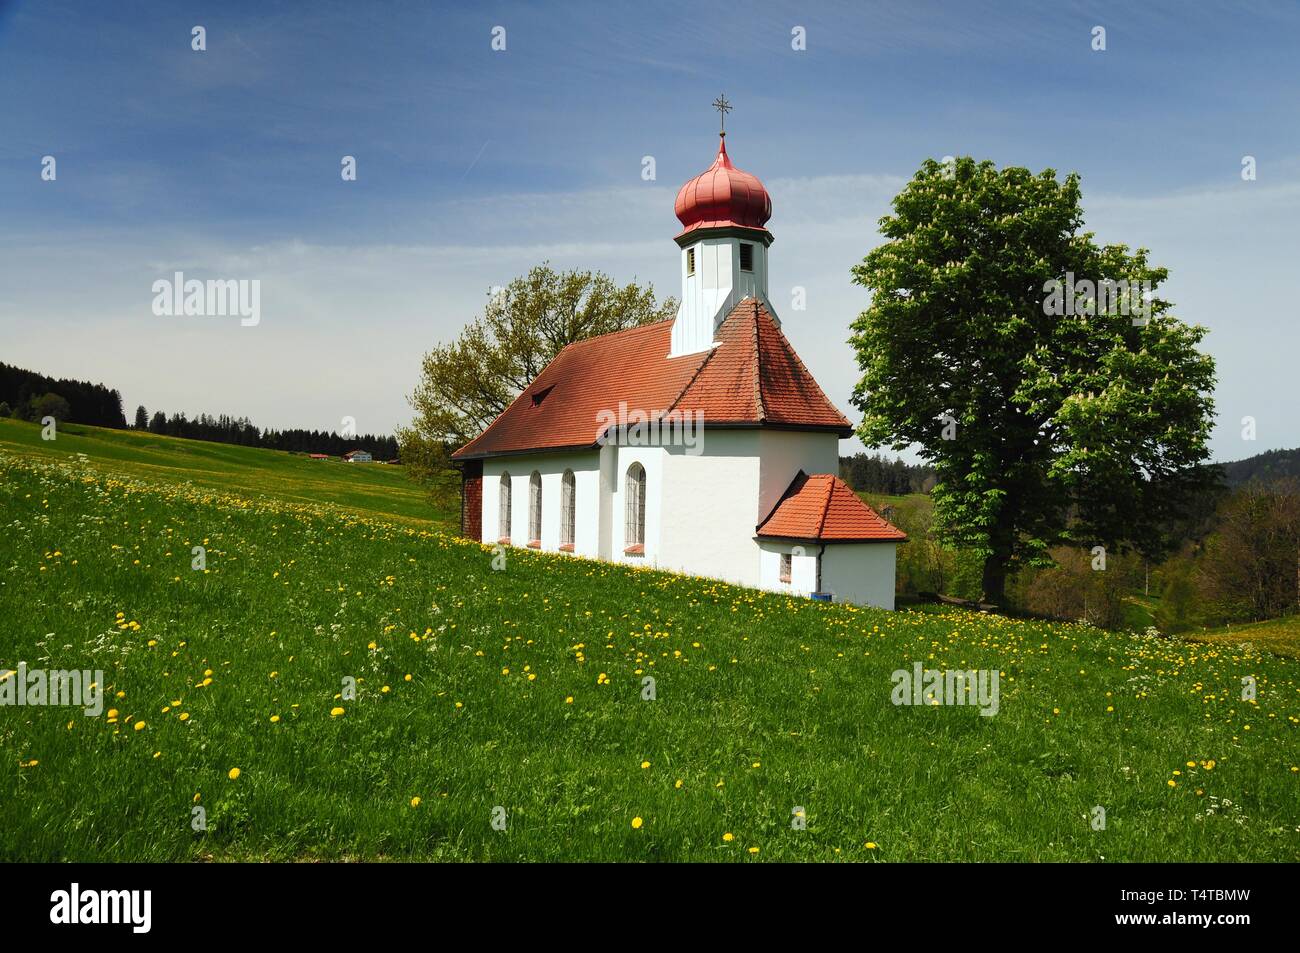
pixel 366 488
pixel 522 689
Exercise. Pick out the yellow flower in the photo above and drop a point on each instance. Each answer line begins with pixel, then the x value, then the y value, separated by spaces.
pixel 870 845
pixel 233 774
pixel 274 719
pixel 185 716
pixel 139 725
pixel 753 850
pixel 406 677
pixel 385 690
pixel 728 837
pixel 335 712
pixel 112 713
pixel 1172 783
pixel 568 700
pixel 636 823
pixel 679 782
pixel 415 802
pixel 645 764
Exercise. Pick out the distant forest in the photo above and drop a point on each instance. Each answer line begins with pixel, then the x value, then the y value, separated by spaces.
pixel 31 396
pixel 876 473
pixel 22 392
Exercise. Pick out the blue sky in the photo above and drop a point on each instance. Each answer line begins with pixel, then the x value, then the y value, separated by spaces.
pixel 473 165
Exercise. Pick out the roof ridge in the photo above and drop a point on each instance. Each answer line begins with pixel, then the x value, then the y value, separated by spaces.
pixel 793 355
pixel 826 507
pixel 690 383
pixel 758 375
pixel 788 492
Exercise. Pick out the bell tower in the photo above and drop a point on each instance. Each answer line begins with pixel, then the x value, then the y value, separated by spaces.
pixel 724 243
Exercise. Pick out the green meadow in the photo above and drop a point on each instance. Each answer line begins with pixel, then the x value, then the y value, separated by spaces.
pixel 363 488
pixel 501 711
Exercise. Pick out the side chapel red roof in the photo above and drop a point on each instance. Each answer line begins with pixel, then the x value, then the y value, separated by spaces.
pixel 822 507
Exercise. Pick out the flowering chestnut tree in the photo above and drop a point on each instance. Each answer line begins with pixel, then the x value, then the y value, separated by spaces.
pixel 1040 373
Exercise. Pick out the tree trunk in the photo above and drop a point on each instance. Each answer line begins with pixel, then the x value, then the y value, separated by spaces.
pixel 994 581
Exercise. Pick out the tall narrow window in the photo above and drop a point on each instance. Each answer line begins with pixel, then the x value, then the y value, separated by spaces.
pixel 567 511
pixel 535 510
pixel 690 261
pixel 787 561
pixel 634 524
pixel 746 256
pixel 503 514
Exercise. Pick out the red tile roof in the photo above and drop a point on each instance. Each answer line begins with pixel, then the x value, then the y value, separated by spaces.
pixel 752 378
pixel 822 507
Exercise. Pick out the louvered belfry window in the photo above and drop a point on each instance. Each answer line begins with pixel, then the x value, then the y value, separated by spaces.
pixel 567 509
pixel 746 256
pixel 535 507
pixel 503 515
pixel 634 527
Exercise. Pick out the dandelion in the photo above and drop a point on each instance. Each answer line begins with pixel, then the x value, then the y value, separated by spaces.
pixel 568 700
pixel 870 845
pixel 139 725
pixel 644 765
pixel 335 712
pixel 753 850
pixel 728 837
pixel 406 677
pixel 415 802
pixel 233 774
pixel 275 719
pixel 636 823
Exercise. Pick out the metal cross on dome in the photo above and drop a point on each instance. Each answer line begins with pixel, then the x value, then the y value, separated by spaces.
pixel 723 107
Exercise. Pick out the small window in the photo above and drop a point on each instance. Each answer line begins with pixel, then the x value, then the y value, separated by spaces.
pixel 567 511
pixel 786 561
pixel 746 256
pixel 535 510
pixel 690 261
pixel 503 514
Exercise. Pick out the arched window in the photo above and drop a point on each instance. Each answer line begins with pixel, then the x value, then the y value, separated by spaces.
pixel 535 509
pixel 634 523
pixel 503 514
pixel 567 509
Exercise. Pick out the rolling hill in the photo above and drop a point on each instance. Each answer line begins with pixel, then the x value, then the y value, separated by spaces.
pixel 336 682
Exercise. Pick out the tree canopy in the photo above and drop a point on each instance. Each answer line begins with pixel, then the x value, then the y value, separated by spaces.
pixel 466 384
pixel 1040 372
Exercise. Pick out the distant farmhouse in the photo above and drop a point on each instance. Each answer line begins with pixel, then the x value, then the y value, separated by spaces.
pixel 358 456
pixel 320 456
pixel 699 444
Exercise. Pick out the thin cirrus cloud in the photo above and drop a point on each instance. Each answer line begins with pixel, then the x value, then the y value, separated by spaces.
pixel 474 166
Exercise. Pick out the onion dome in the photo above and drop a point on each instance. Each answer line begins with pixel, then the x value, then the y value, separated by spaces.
pixel 723 197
